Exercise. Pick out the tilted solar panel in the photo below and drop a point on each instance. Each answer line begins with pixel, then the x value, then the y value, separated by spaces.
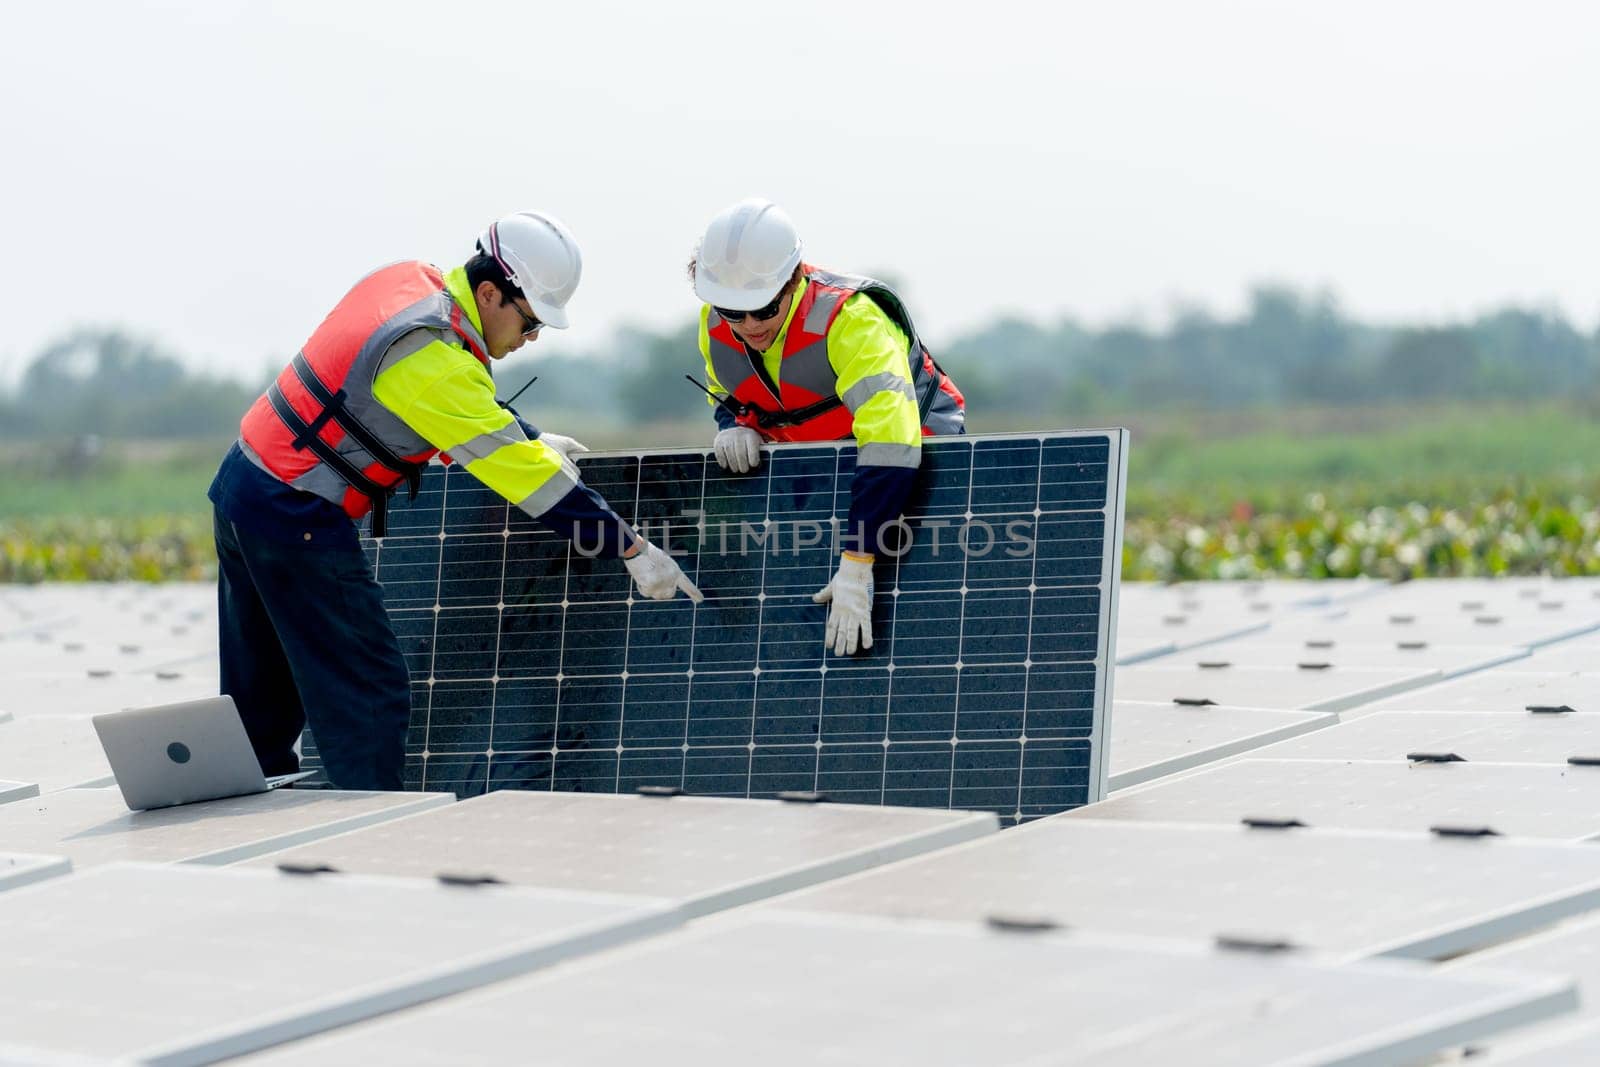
pixel 986 687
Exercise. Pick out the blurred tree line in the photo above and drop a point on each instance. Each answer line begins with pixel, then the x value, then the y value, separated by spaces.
pixel 1288 348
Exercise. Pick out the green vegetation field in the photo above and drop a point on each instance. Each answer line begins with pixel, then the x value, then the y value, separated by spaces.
pixel 1304 493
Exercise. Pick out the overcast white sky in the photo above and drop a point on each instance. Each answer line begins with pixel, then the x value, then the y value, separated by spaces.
pixel 217 174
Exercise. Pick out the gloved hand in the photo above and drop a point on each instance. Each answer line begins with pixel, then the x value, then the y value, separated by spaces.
pixel 850 618
pixel 738 449
pixel 658 575
pixel 568 447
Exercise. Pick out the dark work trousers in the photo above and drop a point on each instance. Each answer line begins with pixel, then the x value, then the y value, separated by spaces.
pixel 304 636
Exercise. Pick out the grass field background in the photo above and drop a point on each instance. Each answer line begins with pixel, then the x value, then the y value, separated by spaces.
pixel 1298 493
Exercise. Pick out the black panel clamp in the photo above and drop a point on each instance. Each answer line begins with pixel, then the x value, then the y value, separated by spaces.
pixel 1435 757
pixel 1194 702
pixel 467 880
pixel 1463 831
pixel 1019 924
pixel 1551 709
pixel 659 791
pixel 306 868
pixel 800 796
pixel 1240 943
pixel 1258 823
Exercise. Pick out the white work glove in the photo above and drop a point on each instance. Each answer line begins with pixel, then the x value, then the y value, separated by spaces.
pixel 850 618
pixel 568 447
pixel 658 575
pixel 738 449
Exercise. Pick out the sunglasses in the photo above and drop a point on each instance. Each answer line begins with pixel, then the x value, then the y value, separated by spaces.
pixel 761 314
pixel 530 325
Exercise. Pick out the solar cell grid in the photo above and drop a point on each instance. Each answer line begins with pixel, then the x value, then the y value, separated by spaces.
pixel 532 666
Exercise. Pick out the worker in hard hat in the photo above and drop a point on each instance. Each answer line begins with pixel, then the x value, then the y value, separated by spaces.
pixel 397 373
pixel 796 353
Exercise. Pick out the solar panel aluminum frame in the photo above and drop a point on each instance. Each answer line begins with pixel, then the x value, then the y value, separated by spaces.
pixel 654 489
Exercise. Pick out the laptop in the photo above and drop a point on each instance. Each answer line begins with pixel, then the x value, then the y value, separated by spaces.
pixel 183 753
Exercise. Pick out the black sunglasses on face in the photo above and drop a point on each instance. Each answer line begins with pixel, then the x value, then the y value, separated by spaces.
pixel 530 324
pixel 759 314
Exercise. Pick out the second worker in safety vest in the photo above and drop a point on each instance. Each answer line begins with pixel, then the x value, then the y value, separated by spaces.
pixel 795 353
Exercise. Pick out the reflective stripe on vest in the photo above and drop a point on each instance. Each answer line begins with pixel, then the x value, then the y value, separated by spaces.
pixel 806 406
pixel 319 428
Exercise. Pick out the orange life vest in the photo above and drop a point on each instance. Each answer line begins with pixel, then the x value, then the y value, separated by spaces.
pixel 318 427
pixel 805 406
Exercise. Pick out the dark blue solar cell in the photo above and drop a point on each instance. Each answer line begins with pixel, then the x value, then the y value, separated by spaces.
pixel 465 775
pixel 655 710
pixel 524 714
pixel 851 774
pixel 992 702
pixel 535 569
pixel 932 561
pixel 595 639
pixel 465 643
pixel 855 706
pixel 995 629
pixel 726 635
pixel 986 775
pixel 530 641
pixel 801 483
pixel 918 774
pixel 408 570
pixel 519 770
pixel 1005 477
pixel 471 570
pixel 660 636
pixel 1061 701
pixel 649 766
pixel 1054 775
pixel 783 768
pixel 455 721
pixel 589 712
pixel 791 632
pixel 1071 551
pixel 1073 475
pixel 548 673
pixel 722 708
pixel 922 704
pixel 1066 625
pixel 788 707
pixel 585 771
pixel 717 771
pixel 670 487
pixel 927 629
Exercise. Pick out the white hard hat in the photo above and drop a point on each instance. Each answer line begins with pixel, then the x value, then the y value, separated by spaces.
pixel 540 256
pixel 747 254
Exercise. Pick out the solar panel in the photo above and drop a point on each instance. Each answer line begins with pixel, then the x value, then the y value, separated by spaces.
pixel 139 963
pixel 532 667
pixel 93 826
pixel 1434 789
pixel 766 988
pixel 1532 737
pixel 706 853
pixel 1150 741
pixel 1420 895
pixel 1514 692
